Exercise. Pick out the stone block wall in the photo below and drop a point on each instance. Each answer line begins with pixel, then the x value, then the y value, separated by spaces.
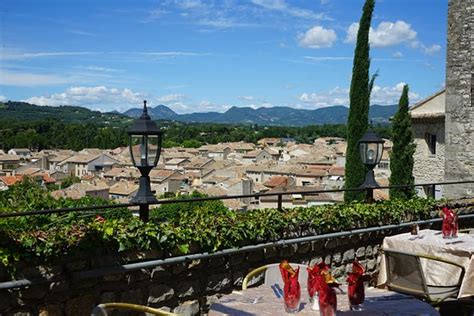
pixel 428 167
pixel 185 288
pixel 459 163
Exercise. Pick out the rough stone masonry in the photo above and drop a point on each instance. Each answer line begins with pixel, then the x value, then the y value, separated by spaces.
pixel 459 137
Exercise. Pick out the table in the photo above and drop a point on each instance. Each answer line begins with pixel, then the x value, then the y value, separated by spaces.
pixel 377 302
pixel 431 243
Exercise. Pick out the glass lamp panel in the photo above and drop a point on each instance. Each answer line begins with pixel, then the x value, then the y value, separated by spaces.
pixel 379 152
pixel 363 152
pixel 139 145
pixel 152 149
pixel 372 153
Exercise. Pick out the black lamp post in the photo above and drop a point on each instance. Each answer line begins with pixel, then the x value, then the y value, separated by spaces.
pixel 371 149
pixel 145 139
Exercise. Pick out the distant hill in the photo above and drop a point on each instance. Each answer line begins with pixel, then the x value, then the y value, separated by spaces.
pixel 270 116
pixel 283 116
pixel 12 110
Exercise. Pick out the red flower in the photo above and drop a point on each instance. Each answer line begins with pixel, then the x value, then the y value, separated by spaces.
pixel 99 218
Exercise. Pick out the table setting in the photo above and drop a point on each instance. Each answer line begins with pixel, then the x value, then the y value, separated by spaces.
pixel 446 244
pixel 321 295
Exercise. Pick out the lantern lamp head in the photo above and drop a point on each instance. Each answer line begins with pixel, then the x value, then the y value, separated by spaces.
pixel 371 149
pixel 145 139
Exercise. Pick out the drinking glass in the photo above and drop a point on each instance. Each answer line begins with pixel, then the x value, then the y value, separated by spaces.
pixel 356 294
pixel 328 303
pixel 291 296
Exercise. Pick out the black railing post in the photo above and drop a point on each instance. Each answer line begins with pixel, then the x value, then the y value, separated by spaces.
pixel 280 202
pixel 433 191
pixel 144 212
pixel 369 197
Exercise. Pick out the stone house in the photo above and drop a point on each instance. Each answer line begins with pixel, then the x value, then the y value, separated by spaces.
pixel 428 124
pixel 7 181
pixel 297 199
pixel 24 153
pixel 8 163
pixel 256 156
pixel 176 163
pixel 264 142
pixel 123 191
pixel 86 164
pixel 217 152
pixel 79 190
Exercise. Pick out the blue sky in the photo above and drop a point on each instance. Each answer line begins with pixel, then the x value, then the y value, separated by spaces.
pixel 198 56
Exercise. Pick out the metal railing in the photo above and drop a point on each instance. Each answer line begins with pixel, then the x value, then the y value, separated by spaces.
pixel 279 195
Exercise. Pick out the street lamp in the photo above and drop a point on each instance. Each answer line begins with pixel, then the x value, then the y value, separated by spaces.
pixel 145 139
pixel 371 149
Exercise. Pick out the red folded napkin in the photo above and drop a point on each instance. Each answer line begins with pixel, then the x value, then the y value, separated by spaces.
pixel 291 289
pixel 449 227
pixel 355 280
pixel 327 294
pixel 315 278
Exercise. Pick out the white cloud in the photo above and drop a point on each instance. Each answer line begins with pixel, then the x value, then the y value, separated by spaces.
pixel 397 54
pixel 246 97
pixel 391 95
pixel 317 37
pixel 99 69
pixel 202 106
pixel 223 22
pixel 189 4
pixel 282 6
pixel 24 79
pixel 5 55
pixel 340 96
pixel 336 96
pixel 92 97
pixel 175 97
pixel 3 98
pixel 169 54
pixel 385 34
pixel 431 49
pixel 326 58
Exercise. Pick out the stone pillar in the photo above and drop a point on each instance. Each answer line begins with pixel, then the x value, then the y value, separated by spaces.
pixel 459 163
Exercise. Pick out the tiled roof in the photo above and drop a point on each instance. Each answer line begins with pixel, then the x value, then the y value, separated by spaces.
pixel 8 157
pixel 81 158
pixel 11 180
pixel 123 188
pixel 276 181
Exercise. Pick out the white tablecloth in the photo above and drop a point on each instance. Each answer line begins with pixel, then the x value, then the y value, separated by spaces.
pixel 431 243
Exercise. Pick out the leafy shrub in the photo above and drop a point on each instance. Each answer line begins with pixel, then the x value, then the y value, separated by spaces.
pixel 183 228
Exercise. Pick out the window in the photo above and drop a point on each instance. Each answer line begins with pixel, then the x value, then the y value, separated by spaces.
pixel 429 190
pixel 431 142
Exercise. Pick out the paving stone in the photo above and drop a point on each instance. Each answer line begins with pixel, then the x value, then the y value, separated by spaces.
pixel 188 308
pixel 160 293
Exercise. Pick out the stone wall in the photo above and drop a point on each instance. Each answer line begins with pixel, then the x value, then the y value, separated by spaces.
pixel 427 167
pixel 185 288
pixel 459 163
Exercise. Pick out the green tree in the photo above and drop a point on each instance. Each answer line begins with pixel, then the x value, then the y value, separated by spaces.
pixel 401 157
pixel 359 105
pixel 70 180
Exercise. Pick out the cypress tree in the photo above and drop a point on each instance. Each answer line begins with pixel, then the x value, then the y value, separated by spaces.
pixel 401 157
pixel 359 105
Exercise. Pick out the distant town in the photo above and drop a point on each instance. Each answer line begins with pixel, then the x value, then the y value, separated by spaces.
pixel 238 168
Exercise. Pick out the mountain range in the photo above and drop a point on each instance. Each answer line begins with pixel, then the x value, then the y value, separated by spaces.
pixel 286 116
pixel 278 115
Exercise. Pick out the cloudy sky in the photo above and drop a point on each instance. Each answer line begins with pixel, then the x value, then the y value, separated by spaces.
pixel 197 56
